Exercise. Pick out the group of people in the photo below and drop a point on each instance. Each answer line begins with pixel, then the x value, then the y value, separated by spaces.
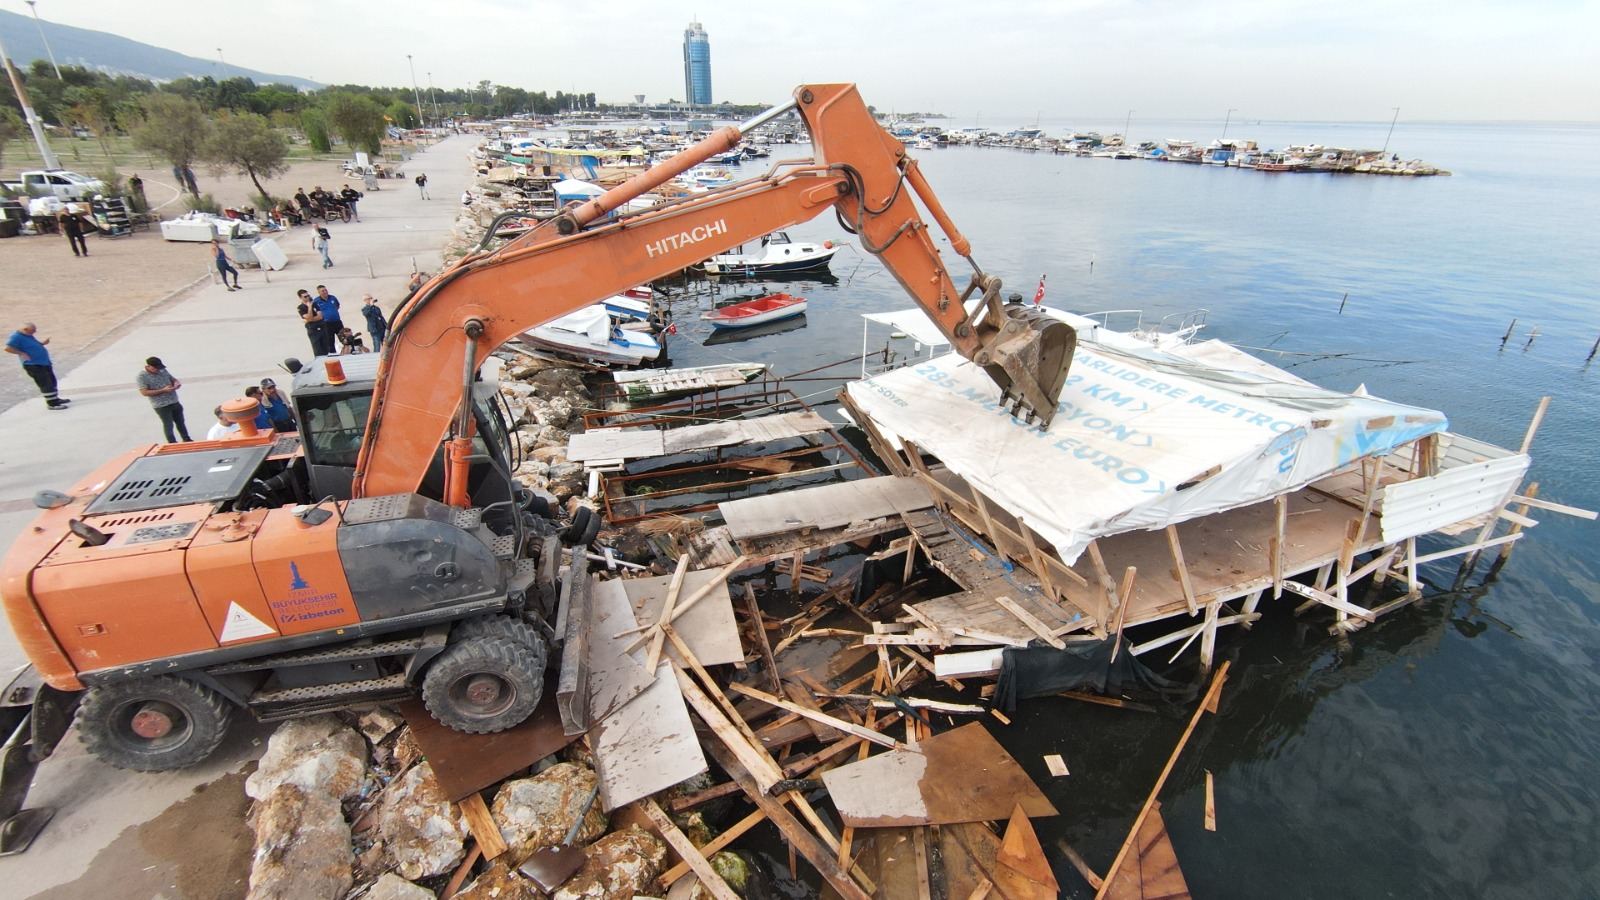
pixel 325 326
pixel 160 386
pixel 327 205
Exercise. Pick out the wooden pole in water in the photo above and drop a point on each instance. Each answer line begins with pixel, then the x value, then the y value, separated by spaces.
pixel 1592 350
pixel 1342 302
pixel 1206 702
pixel 1512 327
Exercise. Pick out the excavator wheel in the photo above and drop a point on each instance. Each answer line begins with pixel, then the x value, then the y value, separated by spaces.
pixel 584 529
pixel 484 684
pixel 506 627
pixel 153 724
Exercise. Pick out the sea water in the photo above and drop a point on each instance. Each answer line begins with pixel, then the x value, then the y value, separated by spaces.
pixel 1453 749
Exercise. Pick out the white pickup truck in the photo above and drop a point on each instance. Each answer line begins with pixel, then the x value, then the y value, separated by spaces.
pixel 58 183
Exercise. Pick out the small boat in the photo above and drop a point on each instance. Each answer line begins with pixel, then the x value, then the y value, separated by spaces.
pixel 633 304
pixel 775 254
pixel 589 334
pixel 756 311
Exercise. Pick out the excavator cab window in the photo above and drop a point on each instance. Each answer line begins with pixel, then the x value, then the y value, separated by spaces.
pixel 333 426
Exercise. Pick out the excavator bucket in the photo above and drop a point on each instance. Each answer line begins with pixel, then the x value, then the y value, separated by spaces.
pixel 1028 356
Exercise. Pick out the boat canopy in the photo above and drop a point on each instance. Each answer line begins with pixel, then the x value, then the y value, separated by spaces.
pixel 1142 438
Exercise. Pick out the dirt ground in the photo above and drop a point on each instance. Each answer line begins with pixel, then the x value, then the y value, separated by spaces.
pixel 79 302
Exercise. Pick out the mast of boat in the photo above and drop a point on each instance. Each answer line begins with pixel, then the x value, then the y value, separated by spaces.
pixel 1125 123
pixel 1227 120
pixel 1391 129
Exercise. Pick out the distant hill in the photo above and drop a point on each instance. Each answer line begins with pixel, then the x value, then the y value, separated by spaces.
pixel 117 55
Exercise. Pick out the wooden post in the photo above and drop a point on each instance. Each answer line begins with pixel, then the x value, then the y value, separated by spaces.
pixel 1128 578
pixel 482 826
pixel 1181 572
pixel 762 644
pixel 1281 504
pixel 1250 604
pixel 1107 585
pixel 676 585
pixel 1532 493
pixel 1208 635
pixel 1133 833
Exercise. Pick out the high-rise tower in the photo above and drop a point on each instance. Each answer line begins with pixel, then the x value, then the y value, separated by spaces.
pixel 696 65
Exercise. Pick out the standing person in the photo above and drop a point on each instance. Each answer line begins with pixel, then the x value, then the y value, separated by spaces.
pixel 351 196
pixel 136 187
pixel 72 227
pixel 277 406
pixel 315 327
pixel 36 362
pixel 422 185
pixel 328 305
pixel 319 243
pixel 225 265
pixel 158 384
pixel 377 325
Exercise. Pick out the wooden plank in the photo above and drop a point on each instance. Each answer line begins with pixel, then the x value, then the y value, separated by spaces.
pixel 762 770
pixel 1028 619
pixel 1125 600
pixel 823 506
pixel 728 836
pixel 1211 802
pixel 1078 862
pixel 482 826
pixel 758 622
pixel 962 775
pixel 817 716
pixel 709 879
pixel 658 637
pixel 1181 570
pixel 647 746
pixel 919 845
pixel 1020 866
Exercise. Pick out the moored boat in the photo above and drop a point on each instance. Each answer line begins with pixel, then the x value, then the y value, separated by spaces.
pixel 590 334
pixel 756 311
pixel 775 254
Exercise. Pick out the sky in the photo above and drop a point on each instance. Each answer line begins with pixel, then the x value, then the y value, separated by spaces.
pixel 999 60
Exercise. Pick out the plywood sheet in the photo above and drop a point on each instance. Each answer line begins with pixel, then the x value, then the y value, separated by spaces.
pixel 615 676
pixel 1150 871
pixel 467 763
pixel 616 443
pixel 708 627
pixel 825 506
pixel 962 775
pixel 646 746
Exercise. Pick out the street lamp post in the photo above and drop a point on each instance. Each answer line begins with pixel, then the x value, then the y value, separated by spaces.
pixel 416 91
pixel 33 5
pixel 1391 129
pixel 432 100
pixel 223 71
pixel 49 157
pixel 1227 120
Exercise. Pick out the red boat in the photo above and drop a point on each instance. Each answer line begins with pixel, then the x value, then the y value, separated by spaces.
pixel 757 311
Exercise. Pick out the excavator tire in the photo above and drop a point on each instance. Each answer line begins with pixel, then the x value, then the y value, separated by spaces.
pixel 484 684
pixel 153 724
pixel 505 627
pixel 585 527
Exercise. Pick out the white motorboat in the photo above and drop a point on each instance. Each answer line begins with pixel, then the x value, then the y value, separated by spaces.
pixel 590 334
pixel 776 253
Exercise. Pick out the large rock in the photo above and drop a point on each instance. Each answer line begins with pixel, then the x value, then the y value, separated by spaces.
pixel 393 887
pixel 537 812
pixel 500 882
pixel 318 754
pixel 421 830
pixel 620 865
pixel 302 847
pixel 568 479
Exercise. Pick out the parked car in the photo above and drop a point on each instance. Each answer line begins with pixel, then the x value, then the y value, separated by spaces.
pixel 56 182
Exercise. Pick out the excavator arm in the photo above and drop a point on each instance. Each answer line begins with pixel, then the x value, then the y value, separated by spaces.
pixel 859 170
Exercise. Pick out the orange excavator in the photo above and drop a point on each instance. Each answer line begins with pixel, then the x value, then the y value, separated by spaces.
pixel 385 550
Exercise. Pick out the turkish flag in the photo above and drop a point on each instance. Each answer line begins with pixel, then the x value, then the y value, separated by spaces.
pixel 1038 296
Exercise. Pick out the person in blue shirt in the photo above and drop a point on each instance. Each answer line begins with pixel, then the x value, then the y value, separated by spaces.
pixel 36 362
pixel 277 406
pixel 263 418
pixel 377 325
pixel 328 305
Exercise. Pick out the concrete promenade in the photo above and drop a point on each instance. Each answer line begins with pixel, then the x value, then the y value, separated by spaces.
pixel 216 342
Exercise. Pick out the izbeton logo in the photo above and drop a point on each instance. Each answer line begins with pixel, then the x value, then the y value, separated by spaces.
pixel 685 238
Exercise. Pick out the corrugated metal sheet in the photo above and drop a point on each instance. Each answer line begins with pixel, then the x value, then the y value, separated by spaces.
pixel 1475 478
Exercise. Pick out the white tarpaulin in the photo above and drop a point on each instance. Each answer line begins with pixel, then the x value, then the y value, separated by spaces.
pixel 1141 438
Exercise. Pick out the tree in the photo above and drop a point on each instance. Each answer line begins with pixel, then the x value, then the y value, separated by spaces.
pixel 10 126
pixel 314 124
pixel 244 143
pixel 174 128
pixel 356 118
pixel 402 114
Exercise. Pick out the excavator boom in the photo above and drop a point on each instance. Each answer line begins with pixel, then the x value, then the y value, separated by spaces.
pixel 859 170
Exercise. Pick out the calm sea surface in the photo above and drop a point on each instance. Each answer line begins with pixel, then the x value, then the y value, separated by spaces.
pixel 1452 750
